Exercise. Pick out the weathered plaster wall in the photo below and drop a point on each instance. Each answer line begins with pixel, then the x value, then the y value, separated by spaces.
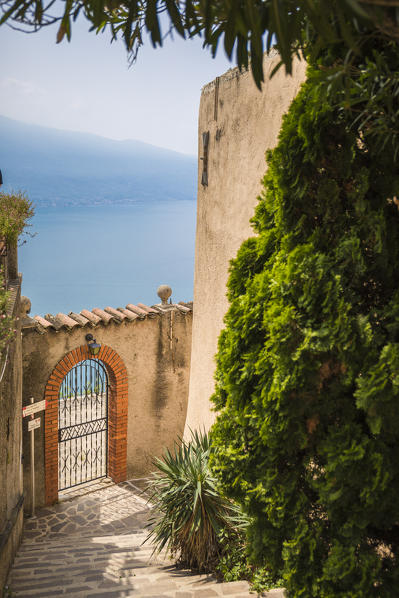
pixel 11 495
pixel 156 353
pixel 242 123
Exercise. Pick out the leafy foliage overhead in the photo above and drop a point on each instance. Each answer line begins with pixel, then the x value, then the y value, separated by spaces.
pixel 307 435
pixel 245 29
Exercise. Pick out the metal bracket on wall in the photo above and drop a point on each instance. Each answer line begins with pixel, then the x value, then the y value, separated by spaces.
pixel 205 142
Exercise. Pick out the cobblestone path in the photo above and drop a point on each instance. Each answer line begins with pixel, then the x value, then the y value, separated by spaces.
pixel 92 546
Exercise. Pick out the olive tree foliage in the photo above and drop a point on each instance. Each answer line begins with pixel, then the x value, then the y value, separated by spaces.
pixel 307 384
pixel 245 28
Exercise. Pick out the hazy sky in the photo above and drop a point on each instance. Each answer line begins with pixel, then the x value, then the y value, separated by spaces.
pixel 86 85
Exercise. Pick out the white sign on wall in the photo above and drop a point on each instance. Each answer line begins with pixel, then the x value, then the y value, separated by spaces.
pixel 33 424
pixel 33 408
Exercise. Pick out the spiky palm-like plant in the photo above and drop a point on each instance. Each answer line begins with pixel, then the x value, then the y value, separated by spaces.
pixel 189 511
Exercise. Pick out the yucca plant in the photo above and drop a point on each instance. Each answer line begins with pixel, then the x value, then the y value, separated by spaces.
pixel 189 511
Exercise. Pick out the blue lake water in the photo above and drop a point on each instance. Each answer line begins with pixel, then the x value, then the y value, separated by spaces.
pixel 88 257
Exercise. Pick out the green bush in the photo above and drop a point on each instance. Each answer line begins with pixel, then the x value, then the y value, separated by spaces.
pixel 307 382
pixel 15 211
pixel 234 565
pixel 191 519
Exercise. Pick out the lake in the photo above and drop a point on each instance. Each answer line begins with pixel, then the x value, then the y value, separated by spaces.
pixel 86 257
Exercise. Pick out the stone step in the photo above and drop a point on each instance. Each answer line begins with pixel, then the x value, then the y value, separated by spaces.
pixel 101 558
pixel 130 540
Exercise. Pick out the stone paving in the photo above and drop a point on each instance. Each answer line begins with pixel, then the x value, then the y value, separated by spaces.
pixel 92 546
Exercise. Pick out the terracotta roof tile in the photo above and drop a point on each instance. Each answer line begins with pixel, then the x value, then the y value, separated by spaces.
pixel 53 321
pixel 102 314
pixel 65 320
pixel 79 319
pixel 129 314
pixel 137 310
pixel 115 313
pixel 90 316
pixel 42 321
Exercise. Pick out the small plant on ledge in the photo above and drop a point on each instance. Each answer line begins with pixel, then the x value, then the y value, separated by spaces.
pixel 15 212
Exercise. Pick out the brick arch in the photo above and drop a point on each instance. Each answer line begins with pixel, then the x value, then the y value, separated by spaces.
pixel 117 415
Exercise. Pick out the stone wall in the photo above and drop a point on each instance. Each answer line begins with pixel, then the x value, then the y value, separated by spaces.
pixel 11 495
pixel 242 123
pixel 154 345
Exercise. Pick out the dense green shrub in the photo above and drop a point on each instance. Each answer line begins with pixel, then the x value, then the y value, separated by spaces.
pixel 234 565
pixel 15 212
pixel 307 382
pixel 191 520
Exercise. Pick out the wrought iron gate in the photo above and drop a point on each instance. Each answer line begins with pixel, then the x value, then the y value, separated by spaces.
pixel 83 425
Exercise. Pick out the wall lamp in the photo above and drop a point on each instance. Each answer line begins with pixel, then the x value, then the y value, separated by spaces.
pixel 94 347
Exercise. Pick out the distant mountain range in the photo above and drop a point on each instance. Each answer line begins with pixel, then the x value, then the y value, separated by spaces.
pixel 64 168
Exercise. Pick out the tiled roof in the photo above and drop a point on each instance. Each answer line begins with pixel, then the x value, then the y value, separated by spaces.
pixel 102 317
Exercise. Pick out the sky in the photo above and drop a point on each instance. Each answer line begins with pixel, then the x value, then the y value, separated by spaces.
pixel 87 85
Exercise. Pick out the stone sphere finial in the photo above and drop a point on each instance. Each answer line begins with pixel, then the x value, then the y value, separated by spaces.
pixel 25 306
pixel 164 292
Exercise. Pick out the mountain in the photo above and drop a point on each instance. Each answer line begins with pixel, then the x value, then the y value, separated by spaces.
pixel 57 167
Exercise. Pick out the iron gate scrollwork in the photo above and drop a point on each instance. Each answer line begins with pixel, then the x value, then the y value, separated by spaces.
pixel 83 425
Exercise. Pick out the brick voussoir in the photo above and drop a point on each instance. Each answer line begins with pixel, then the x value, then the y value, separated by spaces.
pixel 101 353
pixel 121 376
pixel 122 387
pixel 119 369
pixel 74 356
pixel 64 365
pixel 69 360
pixel 81 353
pixel 56 377
pixel 113 360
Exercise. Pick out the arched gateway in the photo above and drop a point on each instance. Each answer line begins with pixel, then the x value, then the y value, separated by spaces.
pixel 85 420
